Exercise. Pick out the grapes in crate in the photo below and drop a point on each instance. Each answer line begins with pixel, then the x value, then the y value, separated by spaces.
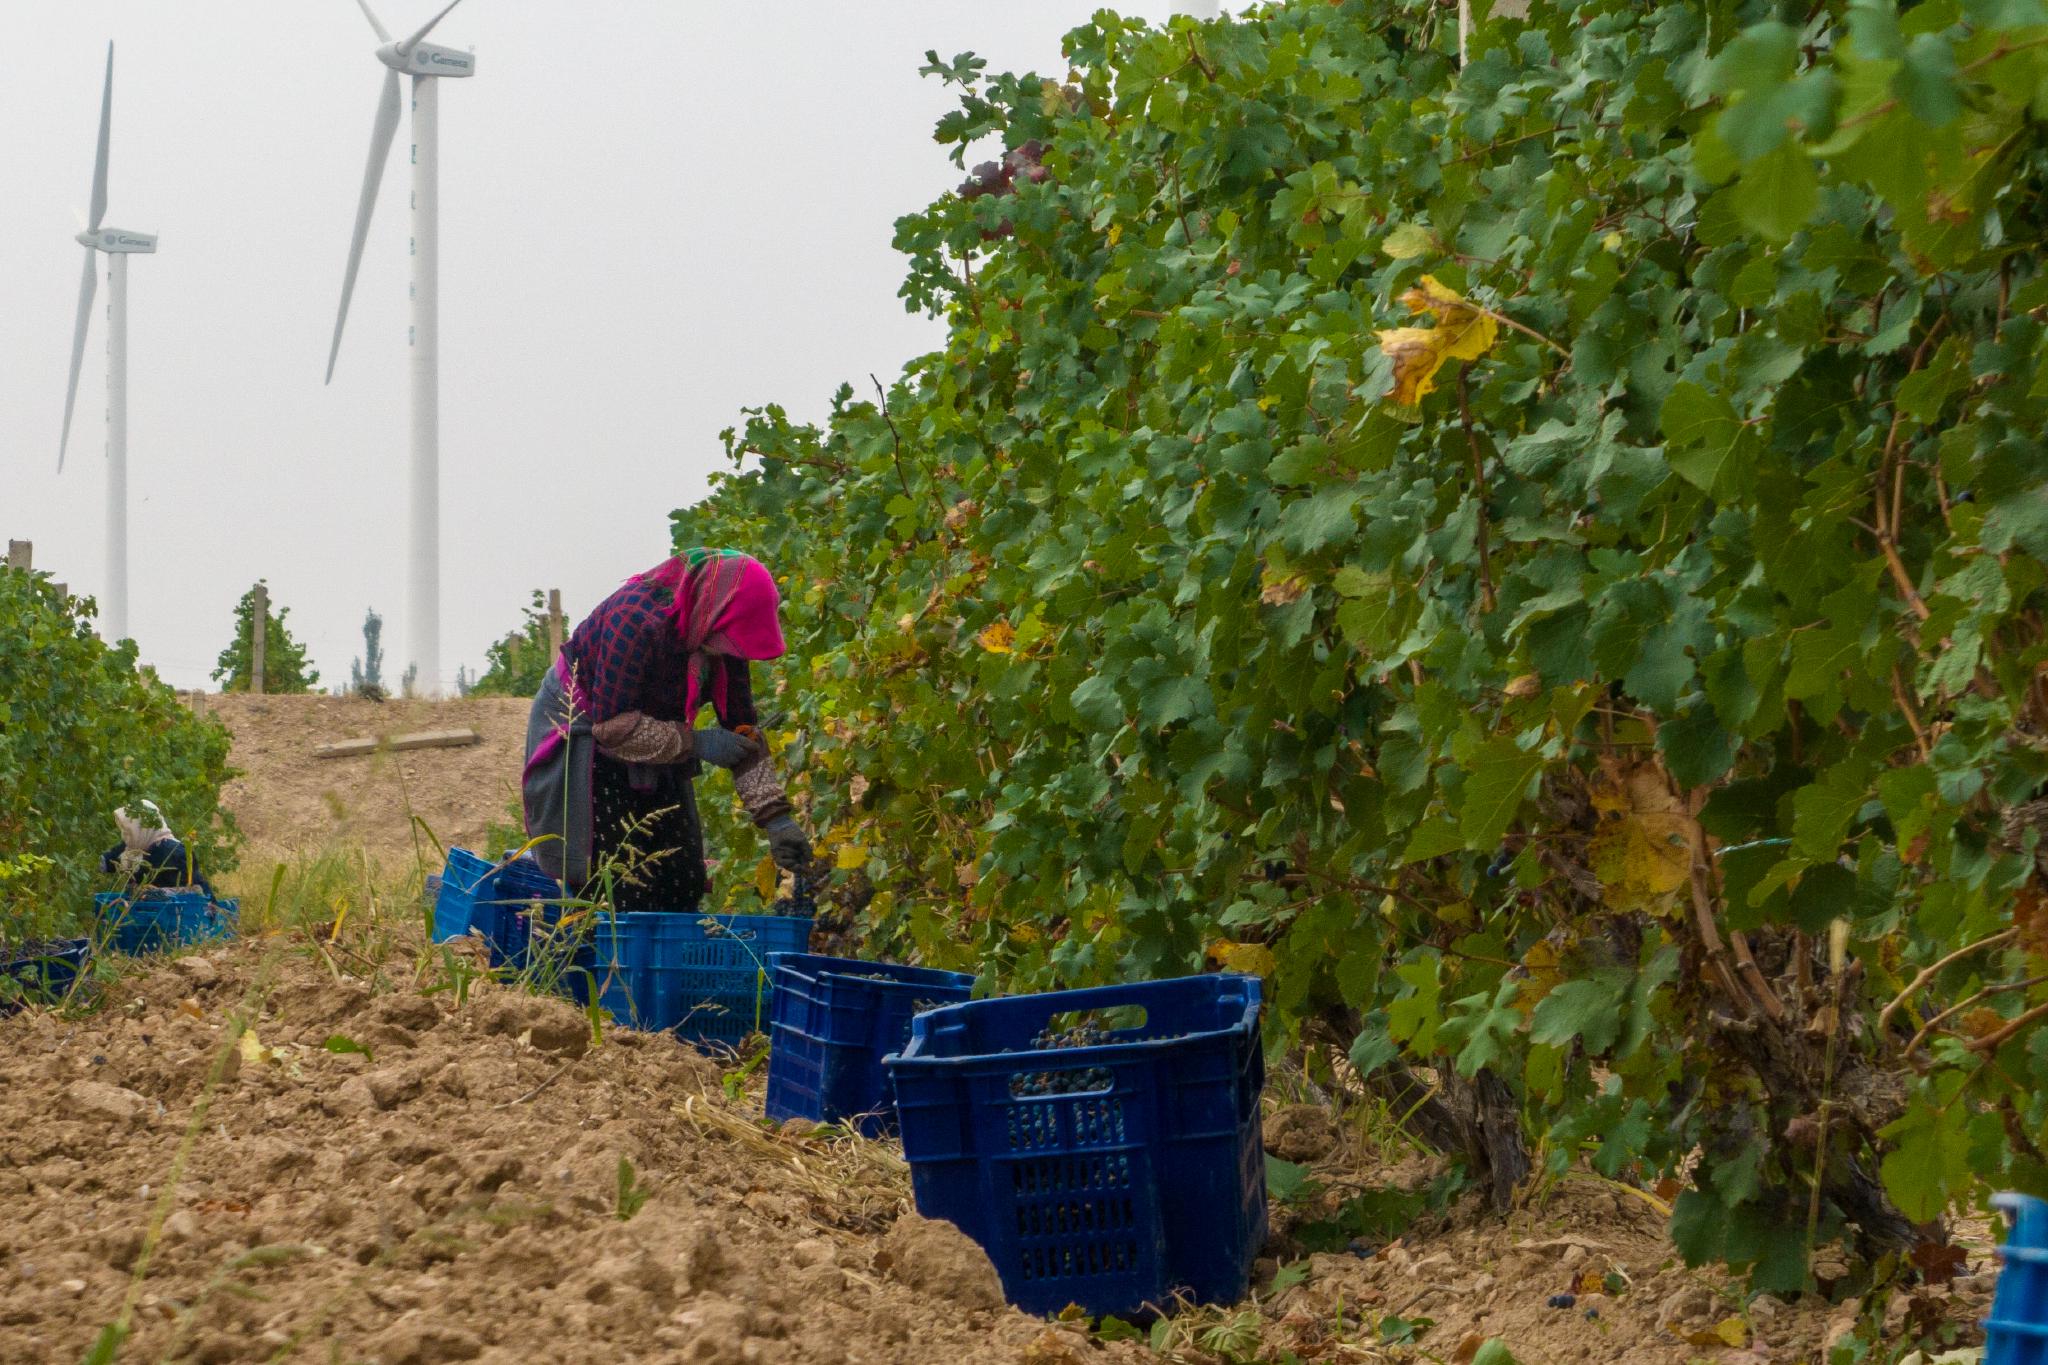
pixel 1073 1080
pixel 1081 1035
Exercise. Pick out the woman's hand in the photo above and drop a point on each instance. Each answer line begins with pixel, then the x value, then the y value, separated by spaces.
pixel 787 844
pixel 724 748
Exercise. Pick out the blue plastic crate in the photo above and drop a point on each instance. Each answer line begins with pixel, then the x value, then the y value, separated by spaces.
pixel 485 898
pixel 42 974
pixel 522 878
pixel 835 1020
pixel 1114 1176
pixel 513 889
pixel 152 920
pixel 461 881
pixel 551 946
pixel 703 977
pixel 2016 1333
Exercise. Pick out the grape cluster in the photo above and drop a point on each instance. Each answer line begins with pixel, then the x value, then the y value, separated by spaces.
pixel 1081 1035
pixel 999 178
pixel 1025 1084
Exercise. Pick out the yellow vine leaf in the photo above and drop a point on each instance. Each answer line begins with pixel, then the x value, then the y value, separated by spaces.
pixel 1410 240
pixel 998 638
pixel 1732 1332
pixel 850 856
pixel 1641 851
pixel 766 877
pixel 1279 587
pixel 1640 860
pixel 1462 332
pixel 1253 959
pixel 252 1049
pixel 1624 784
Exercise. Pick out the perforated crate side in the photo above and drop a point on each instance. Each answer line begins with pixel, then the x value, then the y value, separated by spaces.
pixel 1147 1183
pixel 699 976
pixel 452 909
pixel 835 1021
pixel 2016 1331
pixel 155 920
pixel 43 975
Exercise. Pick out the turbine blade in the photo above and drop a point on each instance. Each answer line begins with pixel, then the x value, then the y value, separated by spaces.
pixel 383 34
pixel 99 165
pixel 373 174
pixel 85 288
pixel 406 47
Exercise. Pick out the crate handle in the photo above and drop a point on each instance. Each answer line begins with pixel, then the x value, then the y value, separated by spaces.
pixel 1113 997
pixel 1110 1019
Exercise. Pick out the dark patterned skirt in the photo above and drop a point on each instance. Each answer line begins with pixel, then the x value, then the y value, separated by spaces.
pixel 646 841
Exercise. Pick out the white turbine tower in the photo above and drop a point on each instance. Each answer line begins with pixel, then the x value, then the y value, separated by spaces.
pixel 426 64
pixel 118 245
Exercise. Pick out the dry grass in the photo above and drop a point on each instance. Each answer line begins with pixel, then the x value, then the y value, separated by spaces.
pixel 850 1181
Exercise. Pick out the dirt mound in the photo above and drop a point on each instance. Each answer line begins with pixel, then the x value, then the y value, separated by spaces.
pixel 445 1184
pixel 288 802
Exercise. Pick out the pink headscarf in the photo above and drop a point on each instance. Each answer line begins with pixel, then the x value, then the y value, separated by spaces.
pixel 722 598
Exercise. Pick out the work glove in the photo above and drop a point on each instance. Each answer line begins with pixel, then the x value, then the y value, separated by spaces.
pixel 787 844
pixel 724 748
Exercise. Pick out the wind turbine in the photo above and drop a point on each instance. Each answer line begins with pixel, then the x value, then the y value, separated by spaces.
pixel 426 64
pixel 118 245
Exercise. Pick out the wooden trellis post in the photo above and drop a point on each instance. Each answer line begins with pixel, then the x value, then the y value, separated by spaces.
pixel 1502 9
pixel 259 637
pixel 554 624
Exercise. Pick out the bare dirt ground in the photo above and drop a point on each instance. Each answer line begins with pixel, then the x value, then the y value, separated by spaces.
pixel 290 803
pixel 483 1182
pixel 380 1174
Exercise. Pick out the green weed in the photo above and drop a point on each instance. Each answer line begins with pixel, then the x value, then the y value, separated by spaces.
pixel 632 1194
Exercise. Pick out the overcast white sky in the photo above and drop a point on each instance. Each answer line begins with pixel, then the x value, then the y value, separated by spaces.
pixel 653 212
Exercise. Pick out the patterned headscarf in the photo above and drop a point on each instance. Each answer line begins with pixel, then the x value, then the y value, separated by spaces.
pixel 723 599
pixel 141 825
